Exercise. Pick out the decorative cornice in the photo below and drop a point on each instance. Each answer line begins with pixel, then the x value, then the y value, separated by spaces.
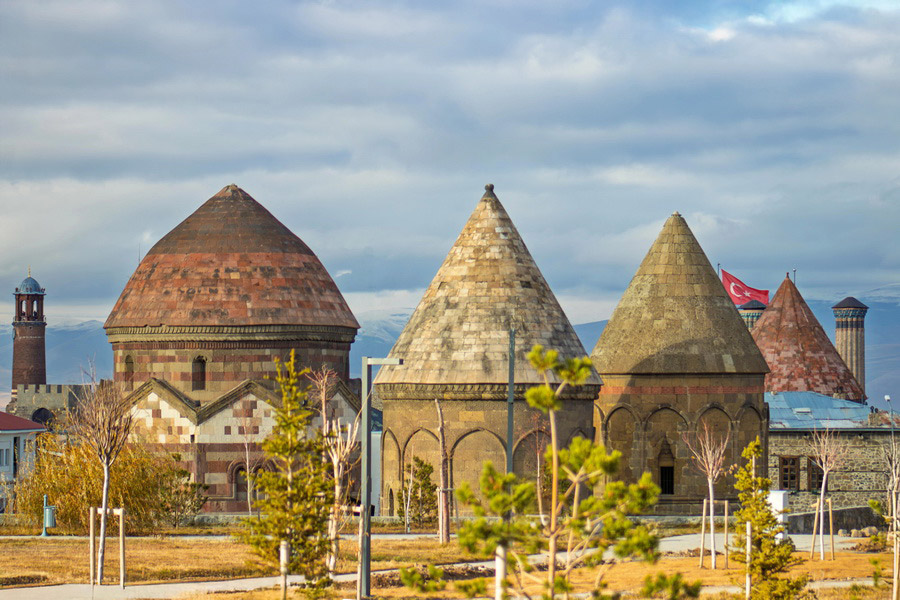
pixel 470 391
pixel 163 333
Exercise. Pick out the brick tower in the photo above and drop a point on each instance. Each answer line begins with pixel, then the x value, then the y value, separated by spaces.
pixel 29 361
pixel 455 348
pixel 850 336
pixel 674 355
pixel 751 312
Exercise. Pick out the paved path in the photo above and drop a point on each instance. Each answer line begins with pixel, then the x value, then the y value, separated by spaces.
pixel 174 590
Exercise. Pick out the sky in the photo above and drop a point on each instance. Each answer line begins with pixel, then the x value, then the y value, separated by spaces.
pixel 370 129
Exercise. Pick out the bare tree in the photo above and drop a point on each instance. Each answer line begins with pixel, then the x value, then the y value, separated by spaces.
pixel 891 456
pixel 340 443
pixel 102 420
pixel 443 499
pixel 540 449
pixel 708 449
pixel 248 428
pixel 829 452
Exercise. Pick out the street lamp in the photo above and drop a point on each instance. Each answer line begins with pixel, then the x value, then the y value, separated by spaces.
pixel 364 583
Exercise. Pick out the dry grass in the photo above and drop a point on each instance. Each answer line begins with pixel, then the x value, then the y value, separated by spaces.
pixel 629 576
pixel 65 560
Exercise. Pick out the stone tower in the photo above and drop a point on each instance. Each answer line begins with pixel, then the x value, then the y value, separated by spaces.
pixel 850 336
pixel 799 353
pixel 751 312
pixel 29 360
pixel 199 326
pixel 675 354
pixel 455 348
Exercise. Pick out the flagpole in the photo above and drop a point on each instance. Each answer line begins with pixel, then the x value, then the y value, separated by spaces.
pixel 718 269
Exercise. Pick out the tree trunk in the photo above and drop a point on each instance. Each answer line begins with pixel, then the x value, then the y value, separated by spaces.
pixel 103 508
pixel 712 523
pixel 554 510
pixel 248 479
pixel 822 516
pixel 333 524
pixel 443 500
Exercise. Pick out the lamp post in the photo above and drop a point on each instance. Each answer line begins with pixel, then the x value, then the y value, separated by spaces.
pixel 510 398
pixel 364 583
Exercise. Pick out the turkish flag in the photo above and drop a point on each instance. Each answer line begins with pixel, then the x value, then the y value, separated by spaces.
pixel 740 292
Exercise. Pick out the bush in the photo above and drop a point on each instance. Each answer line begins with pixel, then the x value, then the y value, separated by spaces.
pixel 70 475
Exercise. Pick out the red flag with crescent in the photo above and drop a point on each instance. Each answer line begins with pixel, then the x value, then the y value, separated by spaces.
pixel 740 292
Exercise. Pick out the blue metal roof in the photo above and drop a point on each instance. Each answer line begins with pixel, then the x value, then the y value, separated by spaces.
pixel 29 286
pixel 808 410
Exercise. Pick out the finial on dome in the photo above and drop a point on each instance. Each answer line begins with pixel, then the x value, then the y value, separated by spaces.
pixel 489 187
pixel 29 270
pixel 676 214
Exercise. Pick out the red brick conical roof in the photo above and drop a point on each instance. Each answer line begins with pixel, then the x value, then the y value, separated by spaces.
pixel 231 263
pixel 799 353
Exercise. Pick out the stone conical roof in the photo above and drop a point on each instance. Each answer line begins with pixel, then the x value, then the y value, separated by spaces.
pixel 676 317
pixel 458 334
pixel 798 350
pixel 230 263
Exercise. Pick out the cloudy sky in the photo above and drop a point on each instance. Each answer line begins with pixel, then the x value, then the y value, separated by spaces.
pixel 371 128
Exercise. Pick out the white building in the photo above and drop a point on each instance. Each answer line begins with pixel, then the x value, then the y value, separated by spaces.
pixel 17 437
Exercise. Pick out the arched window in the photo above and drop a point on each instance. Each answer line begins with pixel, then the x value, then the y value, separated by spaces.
pixel 666 469
pixel 240 484
pixel 198 374
pixel 129 373
pixel 390 503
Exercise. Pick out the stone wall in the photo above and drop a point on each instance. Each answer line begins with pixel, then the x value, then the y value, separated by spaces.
pixel 646 416
pixel 227 362
pixel 863 477
pixel 213 444
pixel 475 431
pixel 57 399
pixel 857 517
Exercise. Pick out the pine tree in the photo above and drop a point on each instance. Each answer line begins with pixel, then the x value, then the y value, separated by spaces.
pixel 769 557
pixel 296 497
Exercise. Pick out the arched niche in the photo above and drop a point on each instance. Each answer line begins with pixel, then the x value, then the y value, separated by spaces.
pixel 470 452
pixel 423 444
pixel 529 454
pixel 663 433
pixel 390 467
pixel 720 430
pixel 619 435
pixel 749 427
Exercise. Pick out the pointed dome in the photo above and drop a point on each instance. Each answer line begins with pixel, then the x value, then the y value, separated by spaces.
pixel 459 332
pixel 231 263
pixel 676 317
pixel 798 350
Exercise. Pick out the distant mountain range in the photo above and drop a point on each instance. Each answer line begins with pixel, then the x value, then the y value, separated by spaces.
pixel 71 348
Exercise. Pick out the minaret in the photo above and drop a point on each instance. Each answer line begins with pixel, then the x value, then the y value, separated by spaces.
pixel 850 335
pixel 751 312
pixel 29 362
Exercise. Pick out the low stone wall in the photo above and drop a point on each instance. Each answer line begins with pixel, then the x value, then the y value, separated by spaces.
pixel 857 517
